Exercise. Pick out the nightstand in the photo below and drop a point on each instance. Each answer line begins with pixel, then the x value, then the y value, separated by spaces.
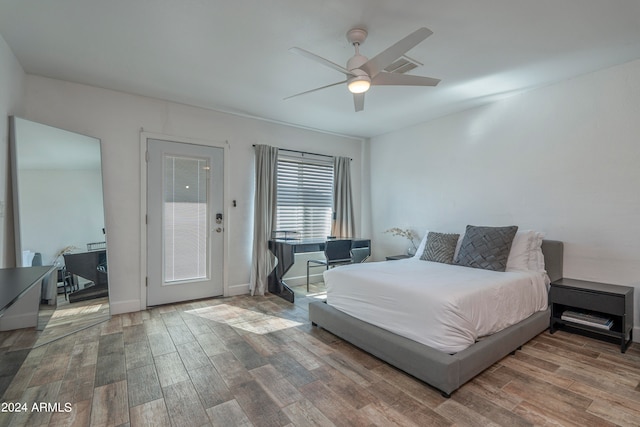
pixel 397 257
pixel 601 299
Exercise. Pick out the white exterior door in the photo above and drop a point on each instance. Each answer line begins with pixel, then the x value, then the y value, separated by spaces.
pixel 185 244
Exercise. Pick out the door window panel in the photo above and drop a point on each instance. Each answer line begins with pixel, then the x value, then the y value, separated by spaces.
pixel 185 218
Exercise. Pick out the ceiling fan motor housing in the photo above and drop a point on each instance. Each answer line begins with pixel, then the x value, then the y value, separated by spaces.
pixel 360 81
pixel 355 62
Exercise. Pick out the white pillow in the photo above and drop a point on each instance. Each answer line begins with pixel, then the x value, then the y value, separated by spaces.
pixel 526 252
pixel 536 260
pixel 421 246
pixel 521 251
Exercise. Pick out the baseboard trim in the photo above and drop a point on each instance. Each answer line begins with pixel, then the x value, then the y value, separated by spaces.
pixel 302 280
pixel 241 289
pixel 121 307
pixel 18 321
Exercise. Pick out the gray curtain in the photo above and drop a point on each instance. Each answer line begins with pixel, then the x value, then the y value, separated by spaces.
pixel 343 223
pixel 264 217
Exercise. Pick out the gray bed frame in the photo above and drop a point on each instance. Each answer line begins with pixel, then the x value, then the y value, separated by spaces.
pixel 446 372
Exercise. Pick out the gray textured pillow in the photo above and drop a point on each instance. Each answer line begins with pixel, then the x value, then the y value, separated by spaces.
pixel 440 247
pixel 486 247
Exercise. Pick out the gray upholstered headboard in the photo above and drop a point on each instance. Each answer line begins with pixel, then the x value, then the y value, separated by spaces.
pixel 553 251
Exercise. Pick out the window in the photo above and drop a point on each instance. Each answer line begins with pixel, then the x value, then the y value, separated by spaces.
pixel 185 218
pixel 304 195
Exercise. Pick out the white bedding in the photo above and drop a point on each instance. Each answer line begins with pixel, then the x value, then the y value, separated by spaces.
pixel 446 307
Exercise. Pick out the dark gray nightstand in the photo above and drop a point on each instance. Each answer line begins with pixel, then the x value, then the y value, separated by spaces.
pixel 611 301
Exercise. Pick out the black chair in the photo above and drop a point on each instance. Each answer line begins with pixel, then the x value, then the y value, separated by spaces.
pixel 336 252
pixel 360 254
pixel 64 280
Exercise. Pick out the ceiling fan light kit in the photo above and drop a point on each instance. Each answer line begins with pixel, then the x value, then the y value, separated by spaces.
pixel 362 73
pixel 359 84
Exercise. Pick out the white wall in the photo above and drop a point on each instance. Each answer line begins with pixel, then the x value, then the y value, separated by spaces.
pixel 564 159
pixel 60 208
pixel 117 118
pixel 11 96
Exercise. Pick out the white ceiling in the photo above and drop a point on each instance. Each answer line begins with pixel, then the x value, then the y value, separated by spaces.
pixel 233 55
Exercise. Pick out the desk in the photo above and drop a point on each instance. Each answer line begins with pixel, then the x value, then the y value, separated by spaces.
pixel 85 264
pixel 15 283
pixel 285 250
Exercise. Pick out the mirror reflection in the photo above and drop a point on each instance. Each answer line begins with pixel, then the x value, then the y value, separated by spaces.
pixel 60 221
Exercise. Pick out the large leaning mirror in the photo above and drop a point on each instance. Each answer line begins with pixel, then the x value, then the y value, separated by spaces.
pixel 59 220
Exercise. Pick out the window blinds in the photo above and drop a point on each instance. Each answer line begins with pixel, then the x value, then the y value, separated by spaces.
pixel 304 196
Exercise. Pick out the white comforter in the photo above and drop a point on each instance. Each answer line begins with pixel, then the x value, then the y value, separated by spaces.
pixel 446 307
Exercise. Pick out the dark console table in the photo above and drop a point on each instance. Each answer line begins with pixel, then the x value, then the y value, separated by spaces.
pixel 285 250
pixel 602 299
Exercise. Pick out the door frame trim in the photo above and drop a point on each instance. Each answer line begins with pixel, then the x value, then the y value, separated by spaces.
pixel 144 136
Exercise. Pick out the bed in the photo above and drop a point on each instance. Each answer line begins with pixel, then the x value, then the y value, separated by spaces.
pixel 442 367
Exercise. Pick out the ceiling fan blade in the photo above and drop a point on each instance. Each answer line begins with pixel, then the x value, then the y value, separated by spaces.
pixel 389 79
pixel 320 59
pixel 358 101
pixel 378 63
pixel 314 90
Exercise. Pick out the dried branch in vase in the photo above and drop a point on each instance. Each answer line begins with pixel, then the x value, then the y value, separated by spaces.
pixel 406 233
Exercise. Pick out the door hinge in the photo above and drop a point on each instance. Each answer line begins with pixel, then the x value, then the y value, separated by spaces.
pixel 146 282
pixel 146 219
pixel 146 156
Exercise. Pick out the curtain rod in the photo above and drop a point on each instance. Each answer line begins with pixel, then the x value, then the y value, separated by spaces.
pixel 305 152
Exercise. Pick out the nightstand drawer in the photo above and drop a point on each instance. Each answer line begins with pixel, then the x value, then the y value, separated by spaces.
pixel 588 300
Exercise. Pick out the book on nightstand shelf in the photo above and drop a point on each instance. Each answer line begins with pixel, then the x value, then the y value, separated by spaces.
pixel 587 319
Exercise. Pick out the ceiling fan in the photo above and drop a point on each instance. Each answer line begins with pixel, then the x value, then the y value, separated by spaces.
pixel 362 73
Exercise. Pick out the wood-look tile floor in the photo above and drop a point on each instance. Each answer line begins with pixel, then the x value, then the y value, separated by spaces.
pixel 66 318
pixel 246 361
